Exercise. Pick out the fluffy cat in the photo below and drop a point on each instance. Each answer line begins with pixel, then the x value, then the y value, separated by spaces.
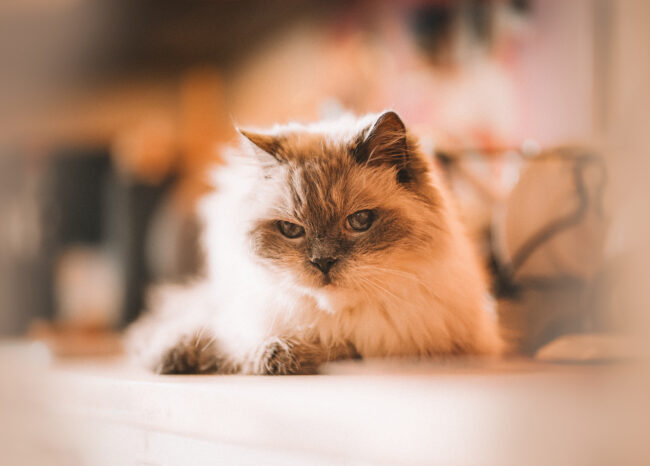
pixel 324 241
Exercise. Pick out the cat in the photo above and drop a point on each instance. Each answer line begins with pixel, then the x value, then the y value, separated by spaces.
pixel 324 241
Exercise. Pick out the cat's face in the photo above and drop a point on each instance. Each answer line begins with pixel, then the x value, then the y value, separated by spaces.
pixel 340 210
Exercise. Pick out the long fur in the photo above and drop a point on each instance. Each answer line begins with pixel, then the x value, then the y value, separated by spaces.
pixel 415 288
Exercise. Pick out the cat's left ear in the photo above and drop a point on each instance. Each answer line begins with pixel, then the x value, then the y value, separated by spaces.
pixel 268 143
pixel 385 143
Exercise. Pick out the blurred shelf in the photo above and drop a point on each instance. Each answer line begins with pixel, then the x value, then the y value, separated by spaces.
pixel 93 116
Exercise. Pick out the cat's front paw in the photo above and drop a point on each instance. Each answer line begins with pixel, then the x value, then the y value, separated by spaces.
pixel 193 354
pixel 279 359
pixel 279 356
pixel 274 357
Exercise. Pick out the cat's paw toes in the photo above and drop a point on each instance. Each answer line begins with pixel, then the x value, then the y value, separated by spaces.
pixel 277 358
pixel 193 354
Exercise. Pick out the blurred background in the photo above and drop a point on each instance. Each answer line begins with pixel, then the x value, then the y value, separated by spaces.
pixel 112 112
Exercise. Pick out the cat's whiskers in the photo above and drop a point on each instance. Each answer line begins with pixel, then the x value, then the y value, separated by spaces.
pixel 197 336
pixel 403 274
pixel 378 267
pixel 209 343
pixel 361 287
pixel 382 310
pixel 380 288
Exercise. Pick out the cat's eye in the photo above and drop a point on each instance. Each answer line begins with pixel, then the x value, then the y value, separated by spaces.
pixel 361 220
pixel 290 230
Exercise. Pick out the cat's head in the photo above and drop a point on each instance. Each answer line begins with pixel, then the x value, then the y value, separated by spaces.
pixel 341 204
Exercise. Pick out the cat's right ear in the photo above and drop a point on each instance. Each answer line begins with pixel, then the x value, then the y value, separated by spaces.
pixel 269 144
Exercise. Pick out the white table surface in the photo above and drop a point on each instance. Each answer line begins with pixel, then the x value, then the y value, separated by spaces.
pixel 519 412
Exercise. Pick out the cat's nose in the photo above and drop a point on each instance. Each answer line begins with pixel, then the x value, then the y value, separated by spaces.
pixel 324 264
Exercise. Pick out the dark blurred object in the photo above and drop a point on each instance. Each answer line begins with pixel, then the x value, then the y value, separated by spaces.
pixel 73 196
pixel 92 205
pixel 543 237
pixel 555 220
pixel 76 184
pixel 74 249
pixel 105 204
pixel 132 206
pixel 437 27
pixel 433 27
pixel 25 279
pixel 550 260
pixel 521 6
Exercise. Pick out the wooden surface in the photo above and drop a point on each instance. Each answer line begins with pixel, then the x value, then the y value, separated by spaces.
pixel 102 412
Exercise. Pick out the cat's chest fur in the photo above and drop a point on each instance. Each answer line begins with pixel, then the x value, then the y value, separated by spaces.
pixel 398 322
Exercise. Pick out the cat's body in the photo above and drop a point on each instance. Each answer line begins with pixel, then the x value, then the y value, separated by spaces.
pixel 326 241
